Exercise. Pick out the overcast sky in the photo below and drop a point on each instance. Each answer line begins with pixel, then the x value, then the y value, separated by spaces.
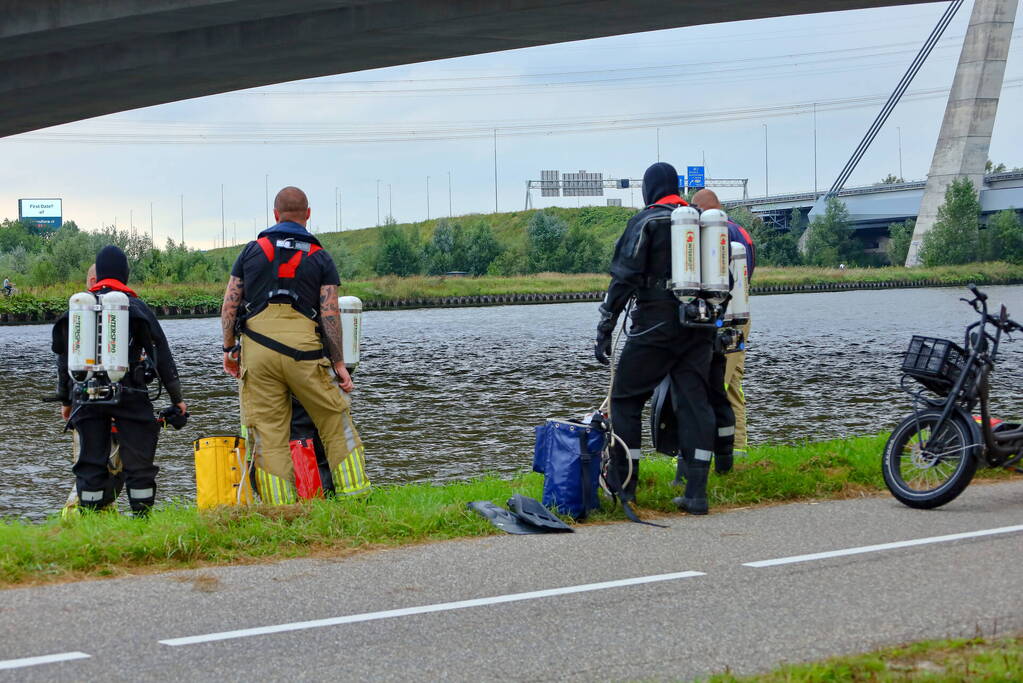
pixel 600 105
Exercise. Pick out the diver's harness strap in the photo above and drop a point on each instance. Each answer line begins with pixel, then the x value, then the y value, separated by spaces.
pixel 589 491
pixel 633 517
pixel 650 282
pixel 275 345
pixel 284 271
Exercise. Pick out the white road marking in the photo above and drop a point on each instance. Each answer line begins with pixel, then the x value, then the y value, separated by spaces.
pixel 426 609
pixel 44 659
pixel 884 546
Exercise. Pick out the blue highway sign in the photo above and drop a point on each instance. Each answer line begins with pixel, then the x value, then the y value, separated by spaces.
pixel 696 176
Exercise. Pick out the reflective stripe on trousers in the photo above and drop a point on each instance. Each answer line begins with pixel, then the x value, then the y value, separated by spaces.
pixel 350 475
pixel 274 490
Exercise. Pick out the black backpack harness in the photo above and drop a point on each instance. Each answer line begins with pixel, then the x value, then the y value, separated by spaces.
pixel 285 256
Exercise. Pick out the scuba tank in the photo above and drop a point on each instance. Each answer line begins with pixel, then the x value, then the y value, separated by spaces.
pixel 98 340
pixel 114 335
pixel 81 336
pixel 738 307
pixel 714 259
pixel 685 253
pixel 351 329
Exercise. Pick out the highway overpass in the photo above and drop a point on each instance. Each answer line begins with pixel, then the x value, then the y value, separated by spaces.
pixel 62 61
pixel 874 207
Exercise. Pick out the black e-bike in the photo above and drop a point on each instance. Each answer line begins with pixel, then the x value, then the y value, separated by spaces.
pixel 933 454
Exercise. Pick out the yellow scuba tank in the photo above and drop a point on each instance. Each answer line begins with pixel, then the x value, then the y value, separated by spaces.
pixel 221 472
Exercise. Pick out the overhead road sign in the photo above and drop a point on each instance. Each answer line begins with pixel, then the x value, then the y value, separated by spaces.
pixel 697 177
pixel 582 184
pixel 550 183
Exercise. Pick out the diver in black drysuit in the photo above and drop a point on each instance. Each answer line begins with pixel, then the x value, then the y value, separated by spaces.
pixel 149 355
pixel 658 346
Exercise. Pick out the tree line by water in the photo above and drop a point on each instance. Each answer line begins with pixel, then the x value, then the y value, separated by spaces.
pixel 554 240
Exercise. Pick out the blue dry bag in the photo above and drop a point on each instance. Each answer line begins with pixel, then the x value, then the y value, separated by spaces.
pixel 567 454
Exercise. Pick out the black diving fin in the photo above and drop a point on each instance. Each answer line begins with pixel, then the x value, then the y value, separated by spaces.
pixel 533 512
pixel 527 516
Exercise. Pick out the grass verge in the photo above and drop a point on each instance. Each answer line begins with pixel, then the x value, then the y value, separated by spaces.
pixel 178 536
pixel 979 273
pixel 934 661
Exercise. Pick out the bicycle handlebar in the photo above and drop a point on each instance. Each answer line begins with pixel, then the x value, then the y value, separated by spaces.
pixel 979 304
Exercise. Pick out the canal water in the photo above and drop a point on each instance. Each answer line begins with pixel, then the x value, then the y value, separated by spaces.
pixel 446 394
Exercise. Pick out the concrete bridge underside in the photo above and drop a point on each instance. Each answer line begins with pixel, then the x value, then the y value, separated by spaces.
pixel 62 61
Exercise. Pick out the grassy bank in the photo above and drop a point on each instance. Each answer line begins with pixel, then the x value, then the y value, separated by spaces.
pixel 980 273
pixel 48 302
pixel 178 536
pixel 43 303
pixel 935 661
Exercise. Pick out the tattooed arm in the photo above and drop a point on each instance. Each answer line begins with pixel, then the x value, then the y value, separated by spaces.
pixel 330 323
pixel 229 310
pixel 228 317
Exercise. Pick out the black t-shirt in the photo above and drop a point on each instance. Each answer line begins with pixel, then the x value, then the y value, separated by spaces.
pixel 256 272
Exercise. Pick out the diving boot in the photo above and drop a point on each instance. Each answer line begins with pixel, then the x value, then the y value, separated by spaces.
pixel 724 446
pixel 681 472
pixel 694 500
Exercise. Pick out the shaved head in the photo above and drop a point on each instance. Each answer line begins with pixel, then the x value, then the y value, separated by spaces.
pixel 706 199
pixel 291 204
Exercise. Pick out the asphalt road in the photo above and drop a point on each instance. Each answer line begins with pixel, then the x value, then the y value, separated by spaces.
pixel 611 602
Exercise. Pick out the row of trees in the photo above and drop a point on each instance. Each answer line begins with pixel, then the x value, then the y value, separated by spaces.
pixel 38 257
pixel 957 236
pixel 829 239
pixel 548 245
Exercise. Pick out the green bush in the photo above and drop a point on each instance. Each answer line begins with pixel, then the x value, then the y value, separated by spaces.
pixel 901 235
pixel 954 237
pixel 829 241
pixel 1003 239
pixel 545 244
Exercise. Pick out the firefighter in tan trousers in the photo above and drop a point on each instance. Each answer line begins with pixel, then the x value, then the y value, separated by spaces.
pixel 735 363
pixel 283 290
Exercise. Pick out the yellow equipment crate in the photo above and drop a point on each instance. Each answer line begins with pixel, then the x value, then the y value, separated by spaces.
pixel 221 472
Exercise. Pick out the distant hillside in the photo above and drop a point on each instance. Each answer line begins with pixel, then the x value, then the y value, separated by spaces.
pixel 602 223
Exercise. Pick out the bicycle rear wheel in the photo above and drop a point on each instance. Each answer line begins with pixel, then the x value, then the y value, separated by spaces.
pixel 928 477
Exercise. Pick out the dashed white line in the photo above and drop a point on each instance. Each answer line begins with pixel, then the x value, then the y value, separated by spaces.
pixel 426 609
pixel 44 659
pixel 884 546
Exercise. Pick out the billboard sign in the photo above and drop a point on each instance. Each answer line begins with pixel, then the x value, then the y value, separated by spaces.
pixel 42 212
pixel 696 176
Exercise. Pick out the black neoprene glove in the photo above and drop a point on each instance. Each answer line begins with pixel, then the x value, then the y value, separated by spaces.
pixel 602 346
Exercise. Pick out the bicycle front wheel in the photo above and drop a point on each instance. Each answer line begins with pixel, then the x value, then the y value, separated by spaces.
pixel 924 469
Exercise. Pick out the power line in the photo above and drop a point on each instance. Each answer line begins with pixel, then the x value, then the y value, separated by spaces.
pixel 685 70
pixel 311 133
pixel 894 98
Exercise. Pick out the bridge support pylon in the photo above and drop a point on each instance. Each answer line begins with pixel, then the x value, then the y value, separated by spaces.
pixel 965 138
